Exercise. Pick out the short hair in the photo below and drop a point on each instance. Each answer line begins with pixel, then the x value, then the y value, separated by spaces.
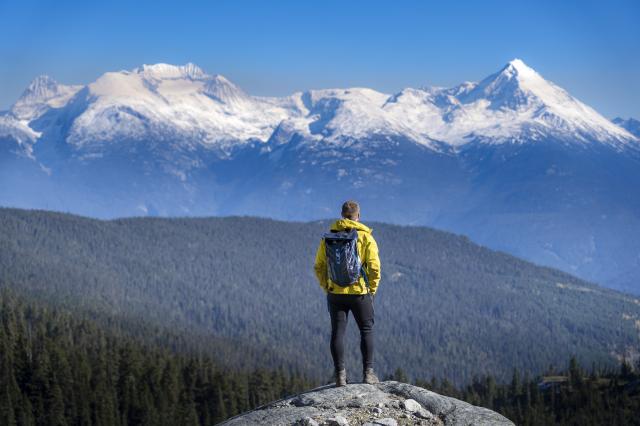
pixel 350 209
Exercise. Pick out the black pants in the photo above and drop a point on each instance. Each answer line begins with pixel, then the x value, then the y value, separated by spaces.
pixel 362 308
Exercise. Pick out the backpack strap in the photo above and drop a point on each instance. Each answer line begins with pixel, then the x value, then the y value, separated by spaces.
pixel 364 275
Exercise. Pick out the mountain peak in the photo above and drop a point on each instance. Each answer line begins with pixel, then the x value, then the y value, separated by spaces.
pixel 216 86
pixel 517 74
pixel 223 90
pixel 41 80
pixel 42 92
pixel 515 86
pixel 518 67
pixel 630 124
pixel 40 87
pixel 168 71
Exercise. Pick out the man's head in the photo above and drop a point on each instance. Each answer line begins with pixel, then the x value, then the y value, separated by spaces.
pixel 351 210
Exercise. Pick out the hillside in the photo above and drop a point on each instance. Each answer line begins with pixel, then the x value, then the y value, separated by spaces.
pixel 446 308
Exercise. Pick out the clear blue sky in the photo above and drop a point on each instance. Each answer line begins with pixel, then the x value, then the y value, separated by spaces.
pixel 590 48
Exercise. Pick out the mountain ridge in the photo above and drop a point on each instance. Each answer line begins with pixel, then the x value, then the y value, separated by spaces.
pixel 357 110
pixel 513 161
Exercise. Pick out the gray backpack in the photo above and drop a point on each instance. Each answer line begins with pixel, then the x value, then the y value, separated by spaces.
pixel 343 260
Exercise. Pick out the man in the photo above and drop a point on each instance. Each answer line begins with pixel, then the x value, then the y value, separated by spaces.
pixel 356 297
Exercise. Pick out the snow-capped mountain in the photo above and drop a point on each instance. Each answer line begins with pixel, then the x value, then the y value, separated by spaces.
pixel 165 102
pixel 515 104
pixel 513 160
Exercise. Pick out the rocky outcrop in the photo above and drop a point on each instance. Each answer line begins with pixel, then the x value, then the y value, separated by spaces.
pixel 387 403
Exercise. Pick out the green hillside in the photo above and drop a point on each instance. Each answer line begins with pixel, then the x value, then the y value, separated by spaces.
pixel 446 307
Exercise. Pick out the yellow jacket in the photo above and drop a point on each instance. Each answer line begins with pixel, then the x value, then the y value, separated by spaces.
pixel 368 252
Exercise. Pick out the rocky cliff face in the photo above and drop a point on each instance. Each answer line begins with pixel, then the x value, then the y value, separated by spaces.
pixel 387 403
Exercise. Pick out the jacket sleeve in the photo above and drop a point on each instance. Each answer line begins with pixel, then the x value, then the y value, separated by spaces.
pixel 320 266
pixel 373 263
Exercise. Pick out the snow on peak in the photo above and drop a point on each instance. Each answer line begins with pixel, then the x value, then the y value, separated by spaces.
pixel 41 94
pixel 222 90
pixel 168 81
pixel 517 66
pixel 175 103
pixel 168 71
pixel 515 86
pixel 42 86
pixel 515 104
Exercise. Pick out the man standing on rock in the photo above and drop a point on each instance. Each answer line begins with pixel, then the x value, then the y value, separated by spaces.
pixel 348 269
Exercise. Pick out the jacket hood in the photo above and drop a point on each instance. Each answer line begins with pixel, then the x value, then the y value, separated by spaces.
pixel 342 224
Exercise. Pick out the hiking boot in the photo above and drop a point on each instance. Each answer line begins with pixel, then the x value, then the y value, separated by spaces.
pixel 341 378
pixel 370 377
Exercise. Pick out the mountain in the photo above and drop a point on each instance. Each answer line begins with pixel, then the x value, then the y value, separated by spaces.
pixel 630 124
pixel 513 161
pixel 446 307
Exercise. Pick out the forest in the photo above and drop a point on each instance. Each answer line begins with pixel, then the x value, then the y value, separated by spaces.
pixel 56 369
pixel 59 369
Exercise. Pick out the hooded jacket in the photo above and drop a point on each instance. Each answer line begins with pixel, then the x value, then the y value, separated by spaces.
pixel 368 252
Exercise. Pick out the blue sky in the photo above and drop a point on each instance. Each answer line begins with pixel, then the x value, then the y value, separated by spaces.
pixel 590 48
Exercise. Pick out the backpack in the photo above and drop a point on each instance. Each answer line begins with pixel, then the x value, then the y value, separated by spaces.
pixel 343 259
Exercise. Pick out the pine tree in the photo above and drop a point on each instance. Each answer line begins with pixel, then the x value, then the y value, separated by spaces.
pixel 7 412
pixel 55 405
pixel 575 373
pixel 515 384
pixel 25 415
pixel 221 409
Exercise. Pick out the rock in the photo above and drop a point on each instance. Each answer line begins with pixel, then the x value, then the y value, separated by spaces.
pixel 356 403
pixel 451 411
pixel 362 404
pixel 307 421
pixel 425 414
pixel 337 421
pixel 411 405
pixel 388 421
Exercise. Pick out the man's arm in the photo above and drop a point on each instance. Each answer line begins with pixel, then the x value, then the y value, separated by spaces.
pixel 320 266
pixel 373 263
